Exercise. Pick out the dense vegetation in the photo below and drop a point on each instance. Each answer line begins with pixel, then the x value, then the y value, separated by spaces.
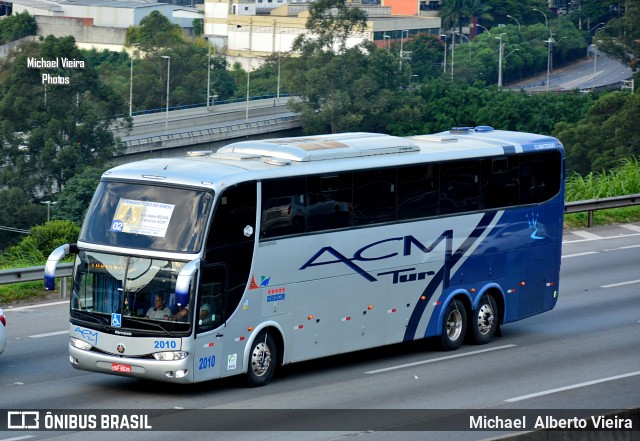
pixel 16 27
pixel 57 139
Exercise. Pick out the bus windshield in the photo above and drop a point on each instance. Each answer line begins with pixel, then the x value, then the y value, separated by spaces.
pixel 147 217
pixel 139 291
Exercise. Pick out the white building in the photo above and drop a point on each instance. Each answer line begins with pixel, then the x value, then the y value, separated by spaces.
pixel 249 30
pixel 113 14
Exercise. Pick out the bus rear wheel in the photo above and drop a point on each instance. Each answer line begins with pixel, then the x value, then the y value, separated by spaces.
pixel 262 360
pixel 454 326
pixel 484 322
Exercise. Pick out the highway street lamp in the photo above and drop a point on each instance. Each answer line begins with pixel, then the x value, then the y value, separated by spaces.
pixel 546 23
pixel 48 204
pixel 550 42
pixel 595 60
pixel 513 18
pixel 278 82
pixel 131 80
pixel 246 109
pixel 507 56
pixel 402 44
pixel 444 63
pixel 166 117
pixel 453 49
pixel 487 30
pixel 469 41
pixel 387 37
pixel 500 52
pixel 208 73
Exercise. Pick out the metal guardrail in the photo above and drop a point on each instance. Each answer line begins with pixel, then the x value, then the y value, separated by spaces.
pixel 64 270
pixel 215 102
pixel 34 273
pixel 592 205
pixel 212 134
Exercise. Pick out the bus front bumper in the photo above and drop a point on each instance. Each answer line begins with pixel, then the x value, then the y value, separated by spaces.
pixel 178 371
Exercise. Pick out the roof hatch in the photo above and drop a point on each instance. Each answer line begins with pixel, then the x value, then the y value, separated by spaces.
pixel 323 147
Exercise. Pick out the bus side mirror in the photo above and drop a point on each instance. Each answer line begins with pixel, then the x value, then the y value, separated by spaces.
pixel 52 263
pixel 184 279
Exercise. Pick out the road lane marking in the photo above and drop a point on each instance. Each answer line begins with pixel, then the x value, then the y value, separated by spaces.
pixel 586 235
pixel 629 247
pixel 599 238
pixel 587 253
pixel 49 334
pixel 615 285
pixel 39 305
pixel 631 227
pixel 417 363
pixel 573 386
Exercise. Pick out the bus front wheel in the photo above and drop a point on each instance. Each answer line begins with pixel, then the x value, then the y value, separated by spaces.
pixel 262 360
pixel 484 322
pixel 454 325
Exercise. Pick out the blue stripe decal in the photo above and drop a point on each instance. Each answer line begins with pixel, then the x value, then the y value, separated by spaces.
pixel 443 275
pixel 509 149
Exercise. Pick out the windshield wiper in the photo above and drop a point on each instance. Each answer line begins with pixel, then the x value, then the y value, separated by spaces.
pixel 94 317
pixel 150 322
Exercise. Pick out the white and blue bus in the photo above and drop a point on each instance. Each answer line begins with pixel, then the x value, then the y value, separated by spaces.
pixel 275 251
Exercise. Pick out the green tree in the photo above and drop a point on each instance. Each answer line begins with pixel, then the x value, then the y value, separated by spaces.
pixel 74 200
pixel 18 211
pixel 41 241
pixel 608 133
pixel 350 91
pixel 620 37
pixel 17 26
pixel 51 131
pixel 198 27
pixel 341 88
pixel 459 13
pixel 155 31
pixel 330 24
pixel 426 56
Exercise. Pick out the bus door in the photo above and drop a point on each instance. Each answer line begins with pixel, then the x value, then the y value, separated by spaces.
pixel 224 277
pixel 209 322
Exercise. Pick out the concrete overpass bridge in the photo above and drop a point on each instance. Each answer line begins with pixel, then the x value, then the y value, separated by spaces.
pixel 176 132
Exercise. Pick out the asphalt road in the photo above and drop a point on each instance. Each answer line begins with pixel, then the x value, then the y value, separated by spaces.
pixel 585 74
pixel 582 355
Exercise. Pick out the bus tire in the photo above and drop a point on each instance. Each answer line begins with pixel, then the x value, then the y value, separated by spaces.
pixel 262 360
pixel 454 325
pixel 484 320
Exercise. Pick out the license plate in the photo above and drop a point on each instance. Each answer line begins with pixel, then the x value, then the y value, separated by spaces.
pixel 120 367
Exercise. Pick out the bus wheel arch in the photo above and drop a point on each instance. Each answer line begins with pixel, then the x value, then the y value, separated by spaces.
pixel 264 353
pixel 454 323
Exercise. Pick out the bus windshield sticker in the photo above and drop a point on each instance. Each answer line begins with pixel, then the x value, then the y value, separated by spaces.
pixel 142 217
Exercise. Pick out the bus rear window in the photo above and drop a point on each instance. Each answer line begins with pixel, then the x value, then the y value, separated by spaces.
pixel 147 217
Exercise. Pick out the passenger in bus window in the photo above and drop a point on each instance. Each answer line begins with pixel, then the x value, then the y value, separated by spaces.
pixel 205 314
pixel 182 315
pixel 160 311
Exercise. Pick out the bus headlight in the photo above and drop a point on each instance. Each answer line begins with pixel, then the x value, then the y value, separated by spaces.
pixel 170 355
pixel 79 344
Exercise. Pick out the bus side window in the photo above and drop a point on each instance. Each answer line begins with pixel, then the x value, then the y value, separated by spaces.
pixel 329 202
pixel 235 210
pixel 283 207
pixel 374 196
pixel 210 303
pixel 418 193
pixel 460 187
pixel 540 177
pixel 500 182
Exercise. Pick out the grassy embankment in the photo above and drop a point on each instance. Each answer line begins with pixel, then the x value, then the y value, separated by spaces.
pixel 621 181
